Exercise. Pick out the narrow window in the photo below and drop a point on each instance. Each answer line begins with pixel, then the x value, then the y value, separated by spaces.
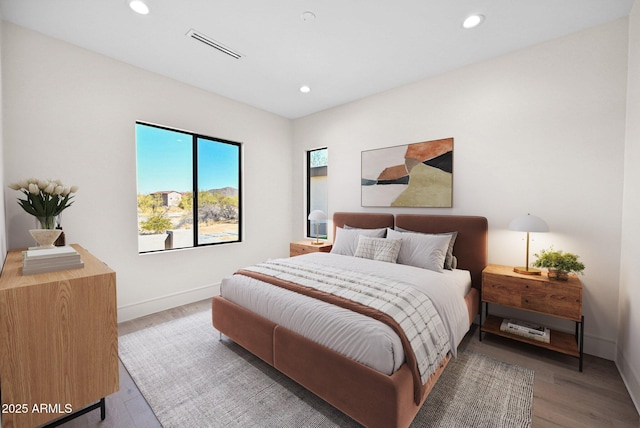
pixel 317 164
pixel 189 189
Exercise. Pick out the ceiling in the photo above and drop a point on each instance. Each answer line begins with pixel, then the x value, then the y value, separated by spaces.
pixel 353 48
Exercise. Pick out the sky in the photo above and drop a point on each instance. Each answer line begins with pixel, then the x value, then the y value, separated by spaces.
pixel 165 161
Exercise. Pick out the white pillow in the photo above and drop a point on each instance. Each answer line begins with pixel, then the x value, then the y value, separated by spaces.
pixel 448 260
pixel 346 240
pixel 421 250
pixel 385 250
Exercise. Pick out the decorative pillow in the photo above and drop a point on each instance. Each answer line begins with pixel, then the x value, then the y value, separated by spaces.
pixel 448 260
pixel 384 229
pixel 421 250
pixel 346 240
pixel 383 249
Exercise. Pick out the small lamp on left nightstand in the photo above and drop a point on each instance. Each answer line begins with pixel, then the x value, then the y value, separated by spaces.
pixel 317 216
pixel 528 223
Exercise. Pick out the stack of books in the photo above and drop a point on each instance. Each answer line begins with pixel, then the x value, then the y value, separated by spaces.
pixel 525 329
pixel 50 260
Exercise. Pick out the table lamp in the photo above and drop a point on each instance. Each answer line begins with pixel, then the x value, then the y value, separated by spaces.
pixel 528 223
pixel 317 216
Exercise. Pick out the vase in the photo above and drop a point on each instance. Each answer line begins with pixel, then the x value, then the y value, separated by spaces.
pixel 559 275
pixel 45 237
pixel 46 222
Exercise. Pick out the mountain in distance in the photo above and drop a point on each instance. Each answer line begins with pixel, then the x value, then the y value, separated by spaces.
pixel 226 191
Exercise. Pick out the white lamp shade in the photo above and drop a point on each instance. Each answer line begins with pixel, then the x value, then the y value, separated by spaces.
pixel 528 223
pixel 317 215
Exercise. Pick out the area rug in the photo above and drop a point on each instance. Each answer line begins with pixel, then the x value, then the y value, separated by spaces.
pixel 192 379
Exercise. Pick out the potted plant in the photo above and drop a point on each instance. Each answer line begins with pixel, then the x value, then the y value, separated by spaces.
pixel 45 200
pixel 559 263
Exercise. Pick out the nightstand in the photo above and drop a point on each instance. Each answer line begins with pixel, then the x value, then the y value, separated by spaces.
pixel 534 293
pixel 304 247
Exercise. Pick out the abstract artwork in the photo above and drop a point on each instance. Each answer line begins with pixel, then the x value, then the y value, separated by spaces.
pixel 411 175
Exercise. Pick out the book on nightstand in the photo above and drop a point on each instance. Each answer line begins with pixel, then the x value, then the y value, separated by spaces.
pixel 525 329
pixel 50 260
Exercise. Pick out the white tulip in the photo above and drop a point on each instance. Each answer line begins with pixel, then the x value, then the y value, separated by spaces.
pixel 42 184
pixel 24 184
pixel 74 189
pixel 14 186
pixel 66 191
pixel 50 188
pixel 58 190
pixel 58 183
pixel 33 188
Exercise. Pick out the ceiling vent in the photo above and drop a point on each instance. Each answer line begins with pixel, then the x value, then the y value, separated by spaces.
pixel 212 43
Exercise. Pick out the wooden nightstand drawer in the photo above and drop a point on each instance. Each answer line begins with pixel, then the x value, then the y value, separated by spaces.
pixel 305 247
pixel 553 300
pixel 538 294
pixel 501 290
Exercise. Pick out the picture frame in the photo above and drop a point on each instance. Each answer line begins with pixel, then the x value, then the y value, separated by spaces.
pixel 408 175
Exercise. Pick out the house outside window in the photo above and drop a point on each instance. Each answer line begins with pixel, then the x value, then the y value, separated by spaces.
pixel 189 189
pixel 317 189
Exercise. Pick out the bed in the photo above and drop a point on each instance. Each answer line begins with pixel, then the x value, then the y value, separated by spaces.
pixel 368 395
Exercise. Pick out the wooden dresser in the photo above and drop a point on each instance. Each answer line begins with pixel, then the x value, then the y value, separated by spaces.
pixel 58 340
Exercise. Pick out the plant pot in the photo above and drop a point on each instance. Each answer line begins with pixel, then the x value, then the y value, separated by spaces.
pixel 559 275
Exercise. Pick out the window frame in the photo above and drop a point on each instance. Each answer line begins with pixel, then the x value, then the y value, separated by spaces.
pixel 194 184
pixel 309 230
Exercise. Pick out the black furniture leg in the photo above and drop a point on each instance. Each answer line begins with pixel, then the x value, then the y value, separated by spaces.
pixel 581 341
pixel 486 309
pixel 100 404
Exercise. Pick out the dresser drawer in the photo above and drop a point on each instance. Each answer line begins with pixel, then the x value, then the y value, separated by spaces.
pixel 547 297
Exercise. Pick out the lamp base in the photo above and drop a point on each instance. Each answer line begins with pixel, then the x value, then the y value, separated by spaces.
pixel 317 243
pixel 527 271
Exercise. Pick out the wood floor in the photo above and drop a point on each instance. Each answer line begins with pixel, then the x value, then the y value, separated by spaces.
pixel 563 397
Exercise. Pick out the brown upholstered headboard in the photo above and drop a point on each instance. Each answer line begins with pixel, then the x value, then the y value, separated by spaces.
pixel 362 220
pixel 471 244
pixel 470 247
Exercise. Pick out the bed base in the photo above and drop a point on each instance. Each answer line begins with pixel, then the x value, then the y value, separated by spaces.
pixel 370 397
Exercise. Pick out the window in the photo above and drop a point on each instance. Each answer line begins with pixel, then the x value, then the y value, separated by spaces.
pixel 317 163
pixel 189 189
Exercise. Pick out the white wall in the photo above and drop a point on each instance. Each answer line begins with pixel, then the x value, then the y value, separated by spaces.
pixel 70 114
pixel 628 357
pixel 540 130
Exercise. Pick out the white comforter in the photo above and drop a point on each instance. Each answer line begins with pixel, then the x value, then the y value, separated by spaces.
pixel 341 329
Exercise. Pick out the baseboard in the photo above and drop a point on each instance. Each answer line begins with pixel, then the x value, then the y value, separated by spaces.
pixel 161 303
pixel 599 347
pixel 630 378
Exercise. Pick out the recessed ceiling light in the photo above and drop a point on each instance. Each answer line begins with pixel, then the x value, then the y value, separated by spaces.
pixel 305 89
pixel 139 6
pixel 473 21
